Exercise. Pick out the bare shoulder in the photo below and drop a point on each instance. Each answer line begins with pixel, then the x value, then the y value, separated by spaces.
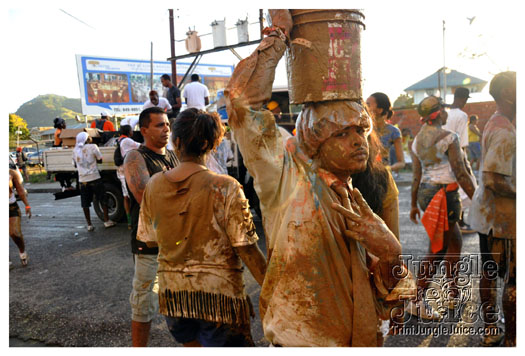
pixel 14 175
pixel 134 158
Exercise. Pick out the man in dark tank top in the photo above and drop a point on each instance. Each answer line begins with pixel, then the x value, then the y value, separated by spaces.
pixel 139 165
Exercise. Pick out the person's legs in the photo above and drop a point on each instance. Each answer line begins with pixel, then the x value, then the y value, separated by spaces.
pixel 476 155
pixel 125 195
pixel 98 187
pixel 127 208
pixel 509 293
pixel 488 293
pixel 143 298
pixel 509 311
pixel 24 171
pixel 453 240
pixel 15 231
pixel 427 269
pixel 86 196
pixel 184 330
pixel 102 197
pixel 198 332
pixel 87 215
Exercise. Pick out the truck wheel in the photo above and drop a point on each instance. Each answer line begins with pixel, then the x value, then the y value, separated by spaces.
pixel 115 199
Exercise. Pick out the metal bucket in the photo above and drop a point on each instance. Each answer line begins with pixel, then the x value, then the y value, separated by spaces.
pixel 324 60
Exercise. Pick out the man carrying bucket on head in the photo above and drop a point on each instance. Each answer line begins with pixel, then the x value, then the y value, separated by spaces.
pixel 330 258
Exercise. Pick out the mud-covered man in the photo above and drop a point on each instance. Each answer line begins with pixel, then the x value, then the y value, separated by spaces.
pixel 493 210
pixel 330 258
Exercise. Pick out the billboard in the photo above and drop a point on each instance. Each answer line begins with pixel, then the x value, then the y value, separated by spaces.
pixel 121 86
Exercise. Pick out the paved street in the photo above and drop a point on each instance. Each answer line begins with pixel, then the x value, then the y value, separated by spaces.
pixel 75 290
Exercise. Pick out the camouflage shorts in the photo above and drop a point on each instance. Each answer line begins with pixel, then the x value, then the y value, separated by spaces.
pixel 427 191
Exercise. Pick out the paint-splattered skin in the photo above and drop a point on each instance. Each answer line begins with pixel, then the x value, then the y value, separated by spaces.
pixel 317 289
pixel 428 156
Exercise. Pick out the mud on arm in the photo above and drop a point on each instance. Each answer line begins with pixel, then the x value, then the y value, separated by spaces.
pixel 255 131
pixel 417 171
pixel 498 166
pixel 400 164
pixel 457 163
pixel 145 231
pixel 243 237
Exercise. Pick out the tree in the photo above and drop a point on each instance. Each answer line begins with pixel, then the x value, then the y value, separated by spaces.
pixel 16 123
pixel 403 101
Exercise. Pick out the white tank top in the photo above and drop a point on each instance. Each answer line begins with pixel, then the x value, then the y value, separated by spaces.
pixel 440 172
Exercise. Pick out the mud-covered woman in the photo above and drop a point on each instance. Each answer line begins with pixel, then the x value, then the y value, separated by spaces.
pixel 438 169
pixel 203 227
pixel 379 106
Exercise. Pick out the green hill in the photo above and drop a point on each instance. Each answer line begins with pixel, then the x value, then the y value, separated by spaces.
pixel 42 110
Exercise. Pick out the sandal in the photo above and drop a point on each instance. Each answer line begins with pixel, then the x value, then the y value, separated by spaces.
pixel 90 228
pixel 24 258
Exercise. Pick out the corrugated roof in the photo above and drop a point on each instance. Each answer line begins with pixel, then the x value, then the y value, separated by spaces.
pixel 454 79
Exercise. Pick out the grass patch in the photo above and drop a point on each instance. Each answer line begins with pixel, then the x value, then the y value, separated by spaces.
pixel 39 177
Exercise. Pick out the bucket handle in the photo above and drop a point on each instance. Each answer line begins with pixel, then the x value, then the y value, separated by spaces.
pixel 303 42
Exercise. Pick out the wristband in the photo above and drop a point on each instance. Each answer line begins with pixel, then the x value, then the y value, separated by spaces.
pixel 28 207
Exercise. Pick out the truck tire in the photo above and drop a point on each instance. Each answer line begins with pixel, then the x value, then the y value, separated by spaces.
pixel 116 210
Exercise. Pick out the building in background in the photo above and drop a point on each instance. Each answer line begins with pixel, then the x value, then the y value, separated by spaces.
pixel 433 84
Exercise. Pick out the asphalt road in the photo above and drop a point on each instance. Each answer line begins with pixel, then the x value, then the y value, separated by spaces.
pixel 75 290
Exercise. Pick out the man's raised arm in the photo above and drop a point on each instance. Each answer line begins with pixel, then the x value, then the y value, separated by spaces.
pixel 255 130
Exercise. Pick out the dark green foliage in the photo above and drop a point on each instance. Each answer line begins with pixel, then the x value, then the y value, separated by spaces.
pixel 403 101
pixel 42 110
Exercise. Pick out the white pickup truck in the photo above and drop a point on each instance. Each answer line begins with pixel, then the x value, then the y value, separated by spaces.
pixel 60 160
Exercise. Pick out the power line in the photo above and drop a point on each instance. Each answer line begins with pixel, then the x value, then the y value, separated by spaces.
pixel 77 19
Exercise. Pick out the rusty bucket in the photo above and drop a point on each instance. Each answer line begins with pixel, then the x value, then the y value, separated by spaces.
pixel 324 60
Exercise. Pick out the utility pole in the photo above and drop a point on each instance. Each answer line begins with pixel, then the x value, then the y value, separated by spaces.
pixel 172 41
pixel 444 68
pixel 151 66
pixel 261 22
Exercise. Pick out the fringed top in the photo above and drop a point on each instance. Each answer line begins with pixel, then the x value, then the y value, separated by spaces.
pixel 197 222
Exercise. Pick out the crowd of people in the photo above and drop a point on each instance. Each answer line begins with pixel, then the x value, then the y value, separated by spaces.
pixel 333 273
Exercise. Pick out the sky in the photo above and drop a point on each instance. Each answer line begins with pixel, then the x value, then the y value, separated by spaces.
pixel 402 43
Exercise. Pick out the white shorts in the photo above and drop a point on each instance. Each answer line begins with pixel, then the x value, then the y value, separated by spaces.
pixel 122 178
pixel 124 188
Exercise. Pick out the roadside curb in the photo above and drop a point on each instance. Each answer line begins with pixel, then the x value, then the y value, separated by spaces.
pixel 42 190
